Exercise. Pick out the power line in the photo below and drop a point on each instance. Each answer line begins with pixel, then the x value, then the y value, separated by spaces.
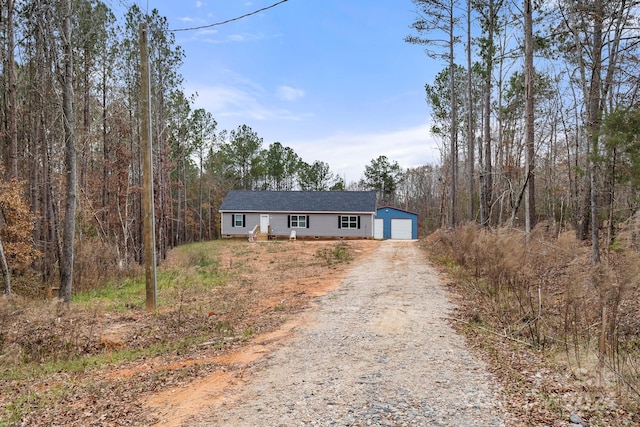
pixel 230 20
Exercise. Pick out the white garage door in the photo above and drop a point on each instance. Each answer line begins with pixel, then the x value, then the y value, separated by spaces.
pixel 401 228
pixel 378 228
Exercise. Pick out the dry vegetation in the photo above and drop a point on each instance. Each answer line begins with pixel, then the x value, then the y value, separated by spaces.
pixel 99 360
pixel 535 309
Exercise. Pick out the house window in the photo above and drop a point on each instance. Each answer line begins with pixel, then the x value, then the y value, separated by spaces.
pixel 349 222
pixel 298 221
pixel 238 220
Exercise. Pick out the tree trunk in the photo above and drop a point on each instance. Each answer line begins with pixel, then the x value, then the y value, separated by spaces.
pixel 488 169
pixel 530 200
pixel 610 195
pixel 200 194
pixel 4 268
pixel 105 151
pixel 177 233
pixel 470 127
pixel 593 124
pixel 488 56
pixel 86 122
pixel 12 122
pixel 66 263
pixel 454 123
pixel 187 231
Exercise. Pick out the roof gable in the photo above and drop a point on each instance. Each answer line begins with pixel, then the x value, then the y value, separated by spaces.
pixel 395 209
pixel 299 201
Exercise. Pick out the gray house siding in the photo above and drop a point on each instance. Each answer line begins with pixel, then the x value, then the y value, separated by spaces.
pixel 250 221
pixel 320 211
pixel 319 225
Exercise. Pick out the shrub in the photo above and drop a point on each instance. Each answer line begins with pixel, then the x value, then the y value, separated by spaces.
pixel 16 226
pixel 543 289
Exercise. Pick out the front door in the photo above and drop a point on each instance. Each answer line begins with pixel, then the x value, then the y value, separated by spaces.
pixel 264 223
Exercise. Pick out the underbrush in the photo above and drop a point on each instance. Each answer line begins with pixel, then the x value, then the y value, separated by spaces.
pixel 212 296
pixel 107 324
pixel 536 300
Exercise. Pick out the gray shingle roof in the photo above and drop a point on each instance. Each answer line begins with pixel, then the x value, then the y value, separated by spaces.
pixel 299 201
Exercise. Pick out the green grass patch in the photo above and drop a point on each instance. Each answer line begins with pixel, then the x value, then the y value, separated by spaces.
pixel 103 360
pixel 202 271
pixel 29 401
pixel 337 254
pixel 199 252
pixel 223 328
pixel 32 399
pixel 117 296
pixel 240 249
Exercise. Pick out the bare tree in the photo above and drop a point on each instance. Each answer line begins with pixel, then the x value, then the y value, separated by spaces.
pixel 470 122
pixel 4 268
pixel 10 69
pixel 489 20
pixel 530 198
pixel 599 33
pixel 440 16
pixel 68 236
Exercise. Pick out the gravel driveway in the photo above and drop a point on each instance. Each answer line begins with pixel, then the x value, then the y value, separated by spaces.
pixel 375 352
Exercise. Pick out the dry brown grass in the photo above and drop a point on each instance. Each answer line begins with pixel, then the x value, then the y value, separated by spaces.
pixel 104 355
pixel 544 298
pixel 97 262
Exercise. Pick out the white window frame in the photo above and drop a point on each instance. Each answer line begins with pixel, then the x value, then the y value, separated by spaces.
pixel 294 221
pixel 238 220
pixel 349 221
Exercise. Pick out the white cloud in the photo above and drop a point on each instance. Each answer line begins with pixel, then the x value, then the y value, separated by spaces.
pixel 288 93
pixel 200 4
pixel 347 154
pixel 231 38
pixel 236 38
pixel 245 102
pixel 207 31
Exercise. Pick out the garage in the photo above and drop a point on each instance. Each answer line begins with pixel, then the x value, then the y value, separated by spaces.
pixel 401 228
pixel 396 224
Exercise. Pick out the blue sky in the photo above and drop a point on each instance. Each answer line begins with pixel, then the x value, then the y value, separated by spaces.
pixel 332 79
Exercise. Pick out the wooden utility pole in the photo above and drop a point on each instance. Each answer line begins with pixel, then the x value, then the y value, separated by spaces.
pixel 147 171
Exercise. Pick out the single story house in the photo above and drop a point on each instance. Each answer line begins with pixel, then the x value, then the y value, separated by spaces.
pixel 308 214
pixel 394 223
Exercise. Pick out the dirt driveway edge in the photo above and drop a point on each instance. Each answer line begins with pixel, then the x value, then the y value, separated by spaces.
pixel 377 351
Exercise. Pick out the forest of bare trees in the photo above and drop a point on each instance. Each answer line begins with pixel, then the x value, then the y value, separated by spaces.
pixel 534 202
pixel 71 206
pixel 534 109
